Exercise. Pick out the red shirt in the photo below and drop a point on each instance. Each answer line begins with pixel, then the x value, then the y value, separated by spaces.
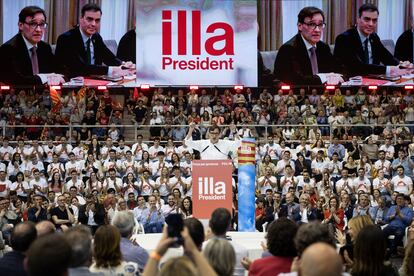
pixel 272 265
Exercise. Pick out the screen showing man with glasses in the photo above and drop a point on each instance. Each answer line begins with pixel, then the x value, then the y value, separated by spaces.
pixel 305 59
pixel 361 50
pixel 25 58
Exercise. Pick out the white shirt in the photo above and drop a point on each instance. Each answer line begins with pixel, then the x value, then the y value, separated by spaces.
pixel 362 184
pixel 217 151
pixel 401 184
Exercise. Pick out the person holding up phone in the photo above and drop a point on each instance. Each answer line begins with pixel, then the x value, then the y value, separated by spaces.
pixel 193 263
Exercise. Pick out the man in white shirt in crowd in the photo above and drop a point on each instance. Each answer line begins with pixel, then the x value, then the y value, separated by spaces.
pixel 154 149
pixel 38 183
pixel 72 164
pixel 6 151
pixel 171 207
pixel 113 181
pixel 63 149
pixel 138 148
pixel 282 163
pixel 74 181
pixel 267 181
pixel 402 183
pixel 344 183
pixel 362 183
pixel 383 164
pixel 140 208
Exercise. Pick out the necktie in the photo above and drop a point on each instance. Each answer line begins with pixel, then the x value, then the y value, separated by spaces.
pixel 314 61
pixel 35 63
pixel 366 53
pixel 88 51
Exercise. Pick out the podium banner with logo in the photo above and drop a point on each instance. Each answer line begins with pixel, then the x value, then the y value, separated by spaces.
pixel 182 43
pixel 212 186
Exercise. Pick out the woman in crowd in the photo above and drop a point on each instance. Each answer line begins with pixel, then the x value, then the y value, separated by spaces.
pixel 369 254
pixel 144 164
pixel 266 162
pixel 162 183
pixel 131 185
pixel 334 215
pixel 21 187
pixel 56 184
pixel 187 208
pixel 347 242
pixel 107 253
pixel 351 166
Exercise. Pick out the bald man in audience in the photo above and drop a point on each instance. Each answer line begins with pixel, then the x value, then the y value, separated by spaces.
pixel 45 227
pixel 320 259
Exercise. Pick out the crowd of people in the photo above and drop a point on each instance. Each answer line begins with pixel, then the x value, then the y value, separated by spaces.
pixel 300 175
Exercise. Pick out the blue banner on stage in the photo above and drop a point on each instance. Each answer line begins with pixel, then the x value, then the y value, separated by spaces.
pixel 246 185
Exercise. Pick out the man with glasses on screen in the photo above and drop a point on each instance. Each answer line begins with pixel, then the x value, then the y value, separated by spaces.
pixel 213 148
pixel 361 50
pixel 26 59
pixel 305 59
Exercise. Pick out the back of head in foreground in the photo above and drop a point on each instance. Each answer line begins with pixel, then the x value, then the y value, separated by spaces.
pixel 220 221
pixel 49 255
pixel 80 239
pixel 221 256
pixel 23 236
pixel 182 266
pixel 124 221
pixel 280 235
pixel 311 233
pixel 320 259
pixel 369 252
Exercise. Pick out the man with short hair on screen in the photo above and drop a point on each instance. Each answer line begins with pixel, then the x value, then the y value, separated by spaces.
pixel 361 50
pixel 82 51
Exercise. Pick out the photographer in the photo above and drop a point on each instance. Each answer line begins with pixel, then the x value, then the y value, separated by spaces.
pixel 190 264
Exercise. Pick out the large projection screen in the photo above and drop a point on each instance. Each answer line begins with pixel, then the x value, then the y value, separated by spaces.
pixel 182 43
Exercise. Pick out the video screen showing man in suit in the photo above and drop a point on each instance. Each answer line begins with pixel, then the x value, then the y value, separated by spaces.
pixel 404 47
pixel 305 59
pixel 82 51
pixel 361 50
pixel 25 58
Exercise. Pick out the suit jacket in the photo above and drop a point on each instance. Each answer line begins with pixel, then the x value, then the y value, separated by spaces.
pixel 99 216
pixel 348 50
pixel 127 47
pixel 71 54
pixel 12 264
pixel 404 46
pixel 293 66
pixel 16 65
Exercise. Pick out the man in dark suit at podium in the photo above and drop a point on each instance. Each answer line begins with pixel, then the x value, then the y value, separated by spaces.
pixel 305 59
pixel 26 59
pixel 82 51
pixel 361 51
pixel 404 46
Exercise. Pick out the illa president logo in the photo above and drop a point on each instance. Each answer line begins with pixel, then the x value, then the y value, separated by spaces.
pixel 219 43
